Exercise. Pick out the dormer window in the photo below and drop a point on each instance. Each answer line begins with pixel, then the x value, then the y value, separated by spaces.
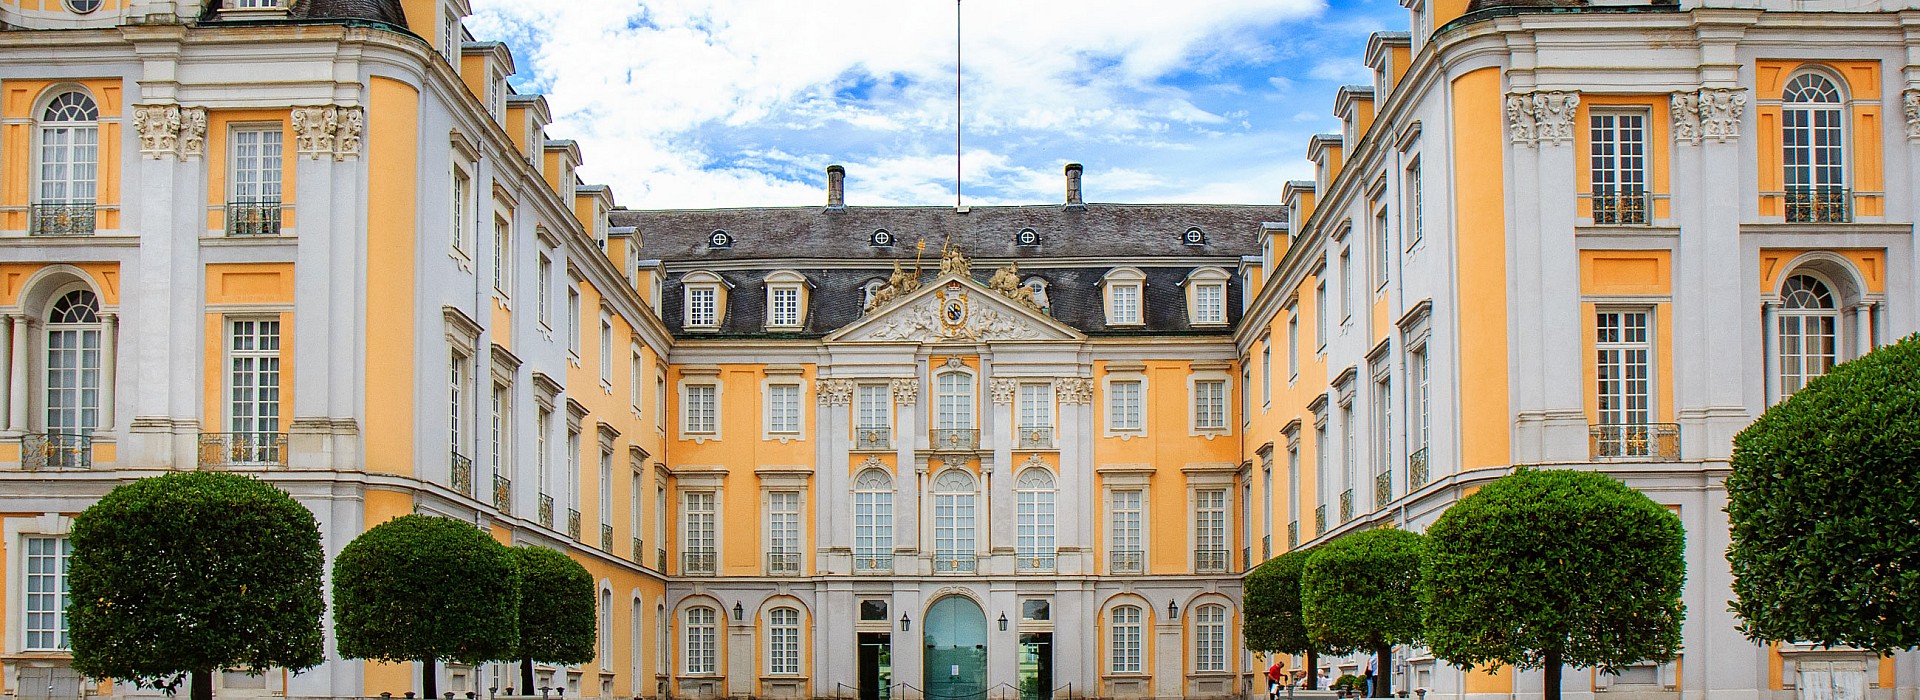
pixel 233 4
pixel 81 7
pixel 1038 286
pixel 705 301
pixel 1125 287
pixel 1027 238
pixel 1194 236
pixel 1207 297
pixel 720 240
pixel 786 301
pixel 881 238
pixel 868 290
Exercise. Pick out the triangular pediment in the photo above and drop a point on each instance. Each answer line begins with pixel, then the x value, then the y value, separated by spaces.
pixel 953 309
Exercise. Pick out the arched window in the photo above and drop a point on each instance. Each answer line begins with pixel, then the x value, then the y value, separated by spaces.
pixel 873 522
pixel 661 646
pixel 1808 332
pixel 953 401
pixel 953 522
pixel 1038 285
pixel 73 364
pixel 606 630
pixel 701 641
pixel 1123 648
pixel 783 641
pixel 1034 522
pixel 69 155
pixel 1813 143
pixel 636 636
pixel 867 291
pixel 1210 638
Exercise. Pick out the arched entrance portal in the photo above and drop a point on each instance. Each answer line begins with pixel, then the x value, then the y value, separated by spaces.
pixel 956 639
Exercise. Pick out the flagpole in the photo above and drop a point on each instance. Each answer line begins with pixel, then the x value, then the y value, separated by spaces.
pixel 957 113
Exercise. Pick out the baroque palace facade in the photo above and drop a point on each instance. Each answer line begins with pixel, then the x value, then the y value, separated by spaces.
pixel 322 241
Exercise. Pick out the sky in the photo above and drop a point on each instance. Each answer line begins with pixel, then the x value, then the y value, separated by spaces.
pixel 732 103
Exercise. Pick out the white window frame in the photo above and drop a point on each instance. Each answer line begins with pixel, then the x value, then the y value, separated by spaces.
pixel 1346 286
pixel 1810 117
pixel 1411 217
pixel 1127 523
pixel 703 301
pixel 1623 405
pixel 1617 164
pixel 1034 406
pixel 55 582
pixel 1036 502
pixel 544 295
pixel 636 366
pixel 1125 296
pixel 956 515
pixel 606 350
pixel 271 155
pixel 783 418
pixel 1806 323
pixel 261 365
pixel 784 531
pixel 461 195
pixel 700 525
pixel 955 406
pixel 691 427
pixel 701 641
pixel 873 406
pixel 1207 296
pixel 1210 638
pixel 1207 414
pixel 786 301
pixel 503 254
pixel 1126 639
pixel 1125 418
pixel 783 641
pixel 873 516
pixel 574 309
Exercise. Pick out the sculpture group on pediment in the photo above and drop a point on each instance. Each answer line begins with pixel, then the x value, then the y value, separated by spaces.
pixel 1006 281
pixel 900 284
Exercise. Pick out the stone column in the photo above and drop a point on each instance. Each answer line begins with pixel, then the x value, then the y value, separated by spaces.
pixel 832 431
pixel 109 357
pixel 17 382
pixel 8 370
pixel 1001 515
pixel 1863 328
pixel 906 477
pixel 1769 321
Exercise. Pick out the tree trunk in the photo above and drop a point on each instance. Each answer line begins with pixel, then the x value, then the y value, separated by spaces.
pixel 1553 674
pixel 1383 672
pixel 1313 670
pixel 201 681
pixel 526 675
pixel 429 680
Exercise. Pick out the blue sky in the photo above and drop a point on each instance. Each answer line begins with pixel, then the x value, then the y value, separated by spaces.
pixel 723 103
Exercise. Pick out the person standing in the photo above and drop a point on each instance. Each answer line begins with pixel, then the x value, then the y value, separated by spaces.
pixel 1276 675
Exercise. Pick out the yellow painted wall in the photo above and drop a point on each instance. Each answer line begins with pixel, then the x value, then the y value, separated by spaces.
pixel 1479 199
pixel 219 125
pixel 1870 262
pixel 1618 272
pixel 17 156
pixel 14 276
pixel 393 139
pixel 383 505
pixel 1484 681
pixel 1866 163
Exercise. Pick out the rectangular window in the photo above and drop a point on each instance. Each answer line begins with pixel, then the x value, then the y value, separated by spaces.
pixel 1246 397
pixel 633 512
pixel 1128 547
pixel 544 295
pixel 253 391
pixel 783 409
pixel 783 306
pixel 1349 451
pixel 1382 249
pixel 1123 405
pixel 1210 404
pixel 1293 486
pixel 1346 285
pixel 872 527
pixel 1266 371
pixel 1293 347
pixel 573 321
pixel 1210 639
pixel 698 411
pixel 872 406
pixel 1036 406
pixel 1210 529
pixel 606 488
pixel 1383 430
pixel 573 469
pixel 1034 527
pixel 697 528
pixel 47 593
pixel 606 349
pixel 1411 218
pixel 542 460
pixel 1210 303
pixel 256 165
pixel 1417 381
pixel 783 641
pixel 701 641
pixel 1320 480
pixel 783 522
pixel 462 194
pixel 1126 304
pixel 1623 367
pixel 502 256
pixel 953 526
pixel 660 400
pixel 1320 315
pixel 502 425
pixel 953 401
pixel 1126 639
pixel 1618 166
pixel 456 378
pixel 633 380
pixel 700 306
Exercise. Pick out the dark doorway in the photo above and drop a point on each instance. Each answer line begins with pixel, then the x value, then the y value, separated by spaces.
pixel 1036 666
pixel 876 665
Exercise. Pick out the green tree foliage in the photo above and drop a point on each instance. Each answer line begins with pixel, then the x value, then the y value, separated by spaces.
pixel 1823 502
pixel 192 573
pixel 422 588
pixel 1358 593
pixel 1272 609
pixel 1545 568
pixel 557 621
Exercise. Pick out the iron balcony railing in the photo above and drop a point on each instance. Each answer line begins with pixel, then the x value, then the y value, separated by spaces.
pixel 872 563
pixel 254 217
pixel 639 552
pixel 697 563
pixel 1417 474
pixel 1033 438
pixel 1382 489
pixel 783 563
pixel 1266 547
pixel 1819 204
pixel 462 473
pixel 606 538
pixel 955 563
pixel 1293 535
pixel 1210 561
pixel 503 494
pixel 1127 561
pixel 243 450
pixel 573 524
pixel 1619 205
pixel 660 556
pixel 1640 441
pixel 61 219
pixel 950 439
pixel 1035 562
pixel 873 438
pixel 1320 520
pixel 55 450
pixel 1246 558
pixel 545 508
pixel 1346 505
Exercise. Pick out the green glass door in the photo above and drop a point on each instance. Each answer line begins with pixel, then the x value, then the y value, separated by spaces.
pixel 956 658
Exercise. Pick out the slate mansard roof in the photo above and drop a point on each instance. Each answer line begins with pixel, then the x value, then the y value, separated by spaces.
pixel 832 247
pixel 387 11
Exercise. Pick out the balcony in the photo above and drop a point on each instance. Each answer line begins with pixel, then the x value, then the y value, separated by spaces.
pixel 639 552
pixel 461 468
pixel 783 563
pixel 698 563
pixel 1035 562
pixel 1246 558
pixel 573 524
pixel 953 439
pixel 1210 561
pixel 1319 520
pixel 1127 561
pixel 606 538
pixel 258 217
pixel 60 219
pixel 1642 442
pixel 660 555
pixel 1293 535
pixel 545 510
pixel 503 494
pixel 1382 489
pixel 1619 205
pixel 243 450
pixel 955 563
pixel 1417 474
pixel 1033 438
pixel 873 438
pixel 873 563
pixel 1819 204
pixel 1266 547
pixel 1346 505
pixel 40 451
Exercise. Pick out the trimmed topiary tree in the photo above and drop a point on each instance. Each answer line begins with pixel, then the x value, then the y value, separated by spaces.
pixel 422 588
pixel 1542 569
pixel 1272 610
pixel 1358 593
pixel 1822 502
pixel 557 622
pixel 187 574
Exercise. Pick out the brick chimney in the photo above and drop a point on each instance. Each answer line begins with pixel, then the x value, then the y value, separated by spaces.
pixel 836 187
pixel 1073 186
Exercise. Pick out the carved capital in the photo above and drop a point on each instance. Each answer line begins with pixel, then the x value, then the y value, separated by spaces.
pixel 1535 117
pixel 170 130
pixel 327 131
pixel 1003 390
pixel 1720 110
pixel 905 391
pixel 1910 101
pixel 1684 108
pixel 834 392
pixel 1074 390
